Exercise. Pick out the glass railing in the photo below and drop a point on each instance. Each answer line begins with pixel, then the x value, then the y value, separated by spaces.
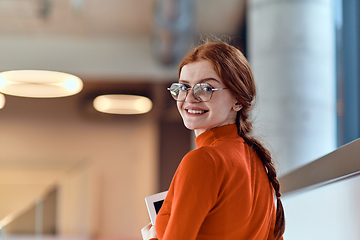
pixel 36 219
pixel 47 200
pixel 342 163
pixel 321 199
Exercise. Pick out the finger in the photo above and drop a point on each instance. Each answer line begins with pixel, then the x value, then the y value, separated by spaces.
pixel 146 228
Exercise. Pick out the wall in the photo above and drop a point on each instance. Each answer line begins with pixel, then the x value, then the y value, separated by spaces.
pixel 291 46
pixel 118 158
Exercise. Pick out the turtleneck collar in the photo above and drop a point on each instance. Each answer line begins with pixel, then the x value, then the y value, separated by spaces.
pixel 219 133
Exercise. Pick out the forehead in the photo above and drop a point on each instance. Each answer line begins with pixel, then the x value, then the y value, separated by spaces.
pixel 196 71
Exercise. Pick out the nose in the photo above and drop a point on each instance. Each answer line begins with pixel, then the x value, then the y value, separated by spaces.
pixel 190 97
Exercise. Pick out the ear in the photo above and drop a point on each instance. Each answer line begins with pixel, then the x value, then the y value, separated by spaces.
pixel 237 107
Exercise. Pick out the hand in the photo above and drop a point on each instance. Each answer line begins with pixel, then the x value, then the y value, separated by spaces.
pixel 148 232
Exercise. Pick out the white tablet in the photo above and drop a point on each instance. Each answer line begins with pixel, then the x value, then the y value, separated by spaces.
pixel 154 203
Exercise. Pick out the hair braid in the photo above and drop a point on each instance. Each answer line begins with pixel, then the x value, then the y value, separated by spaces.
pixel 244 127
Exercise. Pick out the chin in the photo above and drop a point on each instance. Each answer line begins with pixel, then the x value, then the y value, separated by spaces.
pixel 189 126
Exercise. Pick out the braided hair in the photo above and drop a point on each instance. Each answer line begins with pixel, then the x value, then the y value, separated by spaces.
pixel 234 70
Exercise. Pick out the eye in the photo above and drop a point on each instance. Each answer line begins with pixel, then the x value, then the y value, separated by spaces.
pixel 184 87
pixel 206 87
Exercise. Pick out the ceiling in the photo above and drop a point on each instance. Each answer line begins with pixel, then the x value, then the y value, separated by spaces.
pixel 109 39
pixel 114 18
pixel 107 43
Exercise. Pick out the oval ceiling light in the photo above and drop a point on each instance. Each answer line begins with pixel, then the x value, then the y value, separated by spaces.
pixel 39 83
pixel 2 100
pixel 122 104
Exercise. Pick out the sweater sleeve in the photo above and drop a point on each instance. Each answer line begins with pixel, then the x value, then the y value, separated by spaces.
pixel 195 187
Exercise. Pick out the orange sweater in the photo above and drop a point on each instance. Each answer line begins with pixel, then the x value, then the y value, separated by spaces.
pixel 220 191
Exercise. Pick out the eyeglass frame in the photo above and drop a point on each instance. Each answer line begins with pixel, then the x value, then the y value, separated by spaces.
pixel 190 88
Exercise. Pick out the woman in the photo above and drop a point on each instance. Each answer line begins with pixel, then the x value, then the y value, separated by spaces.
pixel 225 188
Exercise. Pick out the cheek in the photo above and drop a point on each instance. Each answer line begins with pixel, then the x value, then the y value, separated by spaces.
pixel 223 109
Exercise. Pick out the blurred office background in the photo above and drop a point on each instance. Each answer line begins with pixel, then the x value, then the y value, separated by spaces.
pixel 68 171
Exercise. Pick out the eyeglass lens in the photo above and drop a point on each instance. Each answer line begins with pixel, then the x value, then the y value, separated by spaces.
pixel 202 91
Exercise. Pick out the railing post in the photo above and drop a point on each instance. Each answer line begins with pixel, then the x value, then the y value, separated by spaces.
pixel 2 234
pixel 39 218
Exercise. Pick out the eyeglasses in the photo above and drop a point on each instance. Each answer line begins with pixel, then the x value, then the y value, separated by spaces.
pixel 202 91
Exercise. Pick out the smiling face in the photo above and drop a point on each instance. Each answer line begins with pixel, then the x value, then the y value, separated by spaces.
pixel 218 111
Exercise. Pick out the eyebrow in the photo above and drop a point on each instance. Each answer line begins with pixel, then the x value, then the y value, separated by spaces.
pixel 202 80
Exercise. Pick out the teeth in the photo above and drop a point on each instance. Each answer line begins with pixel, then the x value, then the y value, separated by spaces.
pixel 195 111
